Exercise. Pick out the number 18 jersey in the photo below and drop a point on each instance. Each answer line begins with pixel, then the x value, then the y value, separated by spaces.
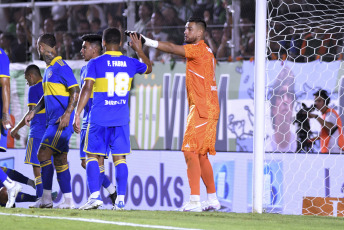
pixel 112 74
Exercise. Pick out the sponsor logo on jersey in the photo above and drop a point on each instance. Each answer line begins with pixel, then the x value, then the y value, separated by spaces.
pixel 119 102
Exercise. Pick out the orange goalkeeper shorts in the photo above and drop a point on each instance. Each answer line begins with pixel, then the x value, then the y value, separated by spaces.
pixel 200 134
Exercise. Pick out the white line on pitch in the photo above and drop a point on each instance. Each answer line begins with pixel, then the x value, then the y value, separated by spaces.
pixel 99 221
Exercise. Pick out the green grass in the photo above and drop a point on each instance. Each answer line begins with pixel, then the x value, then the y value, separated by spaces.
pixel 214 220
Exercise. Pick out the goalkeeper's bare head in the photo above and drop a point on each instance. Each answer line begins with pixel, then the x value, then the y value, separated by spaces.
pixel 194 30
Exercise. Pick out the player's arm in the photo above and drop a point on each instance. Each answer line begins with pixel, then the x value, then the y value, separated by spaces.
pixel 6 119
pixel 21 124
pixel 31 113
pixel 73 100
pixel 167 47
pixel 136 44
pixel 85 95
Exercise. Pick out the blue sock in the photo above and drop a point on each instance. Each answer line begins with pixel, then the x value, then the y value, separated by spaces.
pixel 93 174
pixel 121 170
pixel 3 175
pixel 47 173
pixel 23 197
pixel 106 182
pixel 39 186
pixel 16 176
pixel 64 178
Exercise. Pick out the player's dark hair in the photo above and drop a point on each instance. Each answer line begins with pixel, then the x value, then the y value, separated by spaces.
pixel 199 21
pixel 33 69
pixel 48 39
pixel 95 39
pixel 324 95
pixel 112 36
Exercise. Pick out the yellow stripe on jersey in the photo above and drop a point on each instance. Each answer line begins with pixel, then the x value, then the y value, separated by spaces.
pixel 34 104
pixel 101 85
pixel 56 89
pixel 72 86
pixel 42 111
pixel 89 78
pixel 55 60
pixel 2 75
pixel 113 53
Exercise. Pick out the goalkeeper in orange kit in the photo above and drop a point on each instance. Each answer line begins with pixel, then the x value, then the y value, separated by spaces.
pixel 200 133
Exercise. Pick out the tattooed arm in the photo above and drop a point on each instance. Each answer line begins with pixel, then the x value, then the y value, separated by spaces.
pixel 73 99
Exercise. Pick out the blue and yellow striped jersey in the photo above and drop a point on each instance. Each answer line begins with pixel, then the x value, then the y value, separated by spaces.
pixel 38 123
pixel 112 74
pixel 57 80
pixel 4 72
pixel 86 116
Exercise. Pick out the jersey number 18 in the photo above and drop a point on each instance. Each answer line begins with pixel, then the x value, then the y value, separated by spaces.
pixel 118 84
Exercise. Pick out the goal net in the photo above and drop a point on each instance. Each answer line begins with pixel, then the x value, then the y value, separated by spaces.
pixel 303 165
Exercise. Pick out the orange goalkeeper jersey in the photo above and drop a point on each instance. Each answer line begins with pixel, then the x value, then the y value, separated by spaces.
pixel 200 80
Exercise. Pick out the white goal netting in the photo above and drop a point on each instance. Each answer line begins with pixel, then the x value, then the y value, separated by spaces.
pixel 303 161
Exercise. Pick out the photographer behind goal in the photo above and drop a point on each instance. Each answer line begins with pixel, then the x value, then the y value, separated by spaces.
pixel 331 135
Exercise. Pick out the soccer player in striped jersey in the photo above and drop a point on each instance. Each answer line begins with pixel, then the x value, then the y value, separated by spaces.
pixel 200 134
pixel 92 48
pixel 109 77
pixel 61 92
pixel 34 79
pixel 13 188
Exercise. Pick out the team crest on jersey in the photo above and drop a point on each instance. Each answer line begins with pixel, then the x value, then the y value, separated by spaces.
pixel 46 140
pixel 50 73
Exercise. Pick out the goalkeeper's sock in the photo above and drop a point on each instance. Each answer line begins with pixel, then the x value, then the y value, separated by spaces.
pixel 23 197
pixel 207 173
pixel 121 170
pixel 64 178
pixel 16 176
pixel 93 174
pixel 193 171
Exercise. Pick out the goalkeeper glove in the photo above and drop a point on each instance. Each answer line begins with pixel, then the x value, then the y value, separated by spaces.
pixel 145 41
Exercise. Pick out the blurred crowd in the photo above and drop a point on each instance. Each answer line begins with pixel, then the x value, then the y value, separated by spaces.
pixel 164 21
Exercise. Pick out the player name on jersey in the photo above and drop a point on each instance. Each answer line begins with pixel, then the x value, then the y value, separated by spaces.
pixel 117 63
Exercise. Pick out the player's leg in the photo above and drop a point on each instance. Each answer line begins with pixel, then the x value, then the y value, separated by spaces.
pixel 105 182
pixel 17 176
pixel 47 173
pixel 95 147
pixel 64 180
pixel 57 141
pixel 207 174
pixel 208 145
pixel 189 147
pixel 12 187
pixel 120 147
pixel 31 158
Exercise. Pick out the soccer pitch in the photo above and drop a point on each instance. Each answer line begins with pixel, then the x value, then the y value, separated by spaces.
pixel 107 219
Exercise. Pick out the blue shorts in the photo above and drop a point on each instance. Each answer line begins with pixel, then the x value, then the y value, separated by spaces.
pixel 57 140
pixel 100 140
pixel 82 143
pixel 32 147
pixel 3 139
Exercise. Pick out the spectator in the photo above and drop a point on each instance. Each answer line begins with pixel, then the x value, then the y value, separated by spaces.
pixel 223 51
pixel 214 39
pixel 145 13
pixel 183 10
pixel 247 38
pixel 156 32
pixel 175 26
pixel 21 48
pixel 96 12
pixel 48 26
pixel 96 26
